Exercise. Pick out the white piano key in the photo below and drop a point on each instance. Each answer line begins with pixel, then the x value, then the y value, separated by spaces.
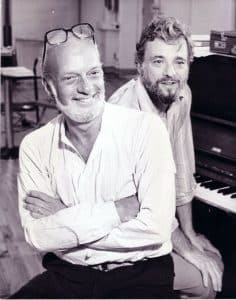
pixel 213 198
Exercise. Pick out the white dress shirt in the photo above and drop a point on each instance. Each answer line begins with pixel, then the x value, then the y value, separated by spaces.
pixel 132 154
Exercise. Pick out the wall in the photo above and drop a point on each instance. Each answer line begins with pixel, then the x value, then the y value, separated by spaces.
pixel 32 18
pixel 116 35
pixel 92 12
pixel 130 19
pixel 200 15
pixel 213 14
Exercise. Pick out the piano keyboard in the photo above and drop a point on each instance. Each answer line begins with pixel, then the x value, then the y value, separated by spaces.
pixel 216 193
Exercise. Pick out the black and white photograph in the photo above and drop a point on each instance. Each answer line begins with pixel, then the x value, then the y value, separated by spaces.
pixel 118 149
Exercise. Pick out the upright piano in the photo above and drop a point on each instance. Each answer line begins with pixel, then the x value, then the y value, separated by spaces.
pixel 212 80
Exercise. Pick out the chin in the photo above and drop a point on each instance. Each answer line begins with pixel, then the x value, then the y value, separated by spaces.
pixel 84 115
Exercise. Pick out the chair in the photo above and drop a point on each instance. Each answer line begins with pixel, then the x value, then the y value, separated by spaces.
pixel 45 103
pixel 39 106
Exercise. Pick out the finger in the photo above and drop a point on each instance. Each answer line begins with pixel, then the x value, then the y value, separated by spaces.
pixel 40 195
pixel 219 275
pixel 35 209
pixel 217 259
pixel 215 275
pixel 204 276
pixel 32 200
pixel 36 215
pixel 37 203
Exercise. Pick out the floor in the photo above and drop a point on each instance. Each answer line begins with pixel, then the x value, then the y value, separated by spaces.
pixel 18 261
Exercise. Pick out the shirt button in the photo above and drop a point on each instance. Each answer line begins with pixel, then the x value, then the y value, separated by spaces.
pixel 87 255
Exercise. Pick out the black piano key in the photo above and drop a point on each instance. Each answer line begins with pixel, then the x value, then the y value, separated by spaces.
pixel 233 196
pixel 214 185
pixel 227 191
pixel 220 191
pixel 205 183
pixel 202 179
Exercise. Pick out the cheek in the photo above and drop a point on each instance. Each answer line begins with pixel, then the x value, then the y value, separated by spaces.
pixel 64 94
pixel 99 85
pixel 153 74
pixel 183 73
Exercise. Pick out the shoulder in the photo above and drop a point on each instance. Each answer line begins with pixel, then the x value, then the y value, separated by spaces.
pixel 125 95
pixel 133 121
pixel 40 137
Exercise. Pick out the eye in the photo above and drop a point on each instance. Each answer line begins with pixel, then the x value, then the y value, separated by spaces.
pixel 180 62
pixel 157 61
pixel 69 78
pixel 94 73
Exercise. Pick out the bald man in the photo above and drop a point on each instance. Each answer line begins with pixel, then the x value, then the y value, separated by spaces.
pixel 88 185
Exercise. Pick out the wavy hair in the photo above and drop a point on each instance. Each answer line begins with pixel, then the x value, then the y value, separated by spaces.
pixel 166 29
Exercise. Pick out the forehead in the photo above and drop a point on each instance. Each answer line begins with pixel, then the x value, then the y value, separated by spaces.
pixel 74 56
pixel 159 47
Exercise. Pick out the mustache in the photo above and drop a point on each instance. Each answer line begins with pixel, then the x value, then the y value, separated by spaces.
pixel 167 79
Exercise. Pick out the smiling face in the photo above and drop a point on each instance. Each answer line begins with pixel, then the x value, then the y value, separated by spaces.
pixel 76 82
pixel 164 70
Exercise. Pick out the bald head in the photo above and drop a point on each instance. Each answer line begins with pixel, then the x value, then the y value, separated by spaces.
pixel 56 56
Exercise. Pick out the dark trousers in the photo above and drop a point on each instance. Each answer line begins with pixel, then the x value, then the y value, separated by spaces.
pixel 152 278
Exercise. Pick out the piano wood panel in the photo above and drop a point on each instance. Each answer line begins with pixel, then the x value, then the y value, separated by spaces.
pixel 214 138
pixel 219 227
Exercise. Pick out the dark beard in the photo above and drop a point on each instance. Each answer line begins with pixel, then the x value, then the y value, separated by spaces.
pixel 161 102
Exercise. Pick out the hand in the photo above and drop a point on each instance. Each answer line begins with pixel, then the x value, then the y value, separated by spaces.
pixel 210 266
pixel 41 205
pixel 202 243
pixel 127 207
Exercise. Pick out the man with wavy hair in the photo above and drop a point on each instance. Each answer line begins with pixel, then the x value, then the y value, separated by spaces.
pixel 163 57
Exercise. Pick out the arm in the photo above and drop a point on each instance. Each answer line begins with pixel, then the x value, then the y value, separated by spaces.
pixel 185 182
pixel 55 232
pixel 185 163
pixel 184 214
pixel 155 186
pixel 210 266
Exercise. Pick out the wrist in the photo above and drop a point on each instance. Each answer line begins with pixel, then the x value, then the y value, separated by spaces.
pixel 189 232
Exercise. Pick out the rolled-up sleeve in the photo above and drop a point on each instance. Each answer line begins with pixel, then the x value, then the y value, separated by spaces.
pixel 184 158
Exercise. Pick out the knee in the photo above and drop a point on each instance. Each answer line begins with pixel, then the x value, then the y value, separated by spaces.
pixel 200 292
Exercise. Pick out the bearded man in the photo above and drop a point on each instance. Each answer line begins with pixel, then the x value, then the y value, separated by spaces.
pixel 163 57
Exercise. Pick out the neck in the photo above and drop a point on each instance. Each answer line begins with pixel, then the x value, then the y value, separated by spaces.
pixel 83 131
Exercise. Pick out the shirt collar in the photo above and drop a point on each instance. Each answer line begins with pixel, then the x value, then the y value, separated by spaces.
pixel 64 140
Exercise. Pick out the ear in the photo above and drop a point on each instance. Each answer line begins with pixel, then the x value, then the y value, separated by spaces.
pixel 140 68
pixel 49 88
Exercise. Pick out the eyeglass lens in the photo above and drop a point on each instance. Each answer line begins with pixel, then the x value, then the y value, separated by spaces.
pixel 82 31
pixel 56 36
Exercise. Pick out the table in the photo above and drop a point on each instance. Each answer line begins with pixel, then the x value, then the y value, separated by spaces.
pixel 8 75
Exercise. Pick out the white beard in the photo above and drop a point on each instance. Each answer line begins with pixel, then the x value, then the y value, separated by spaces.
pixel 80 114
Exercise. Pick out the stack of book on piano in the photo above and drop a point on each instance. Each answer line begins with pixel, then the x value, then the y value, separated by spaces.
pixel 201 44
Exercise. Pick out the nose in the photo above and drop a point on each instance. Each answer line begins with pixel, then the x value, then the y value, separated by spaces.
pixel 83 86
pixel 169 70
